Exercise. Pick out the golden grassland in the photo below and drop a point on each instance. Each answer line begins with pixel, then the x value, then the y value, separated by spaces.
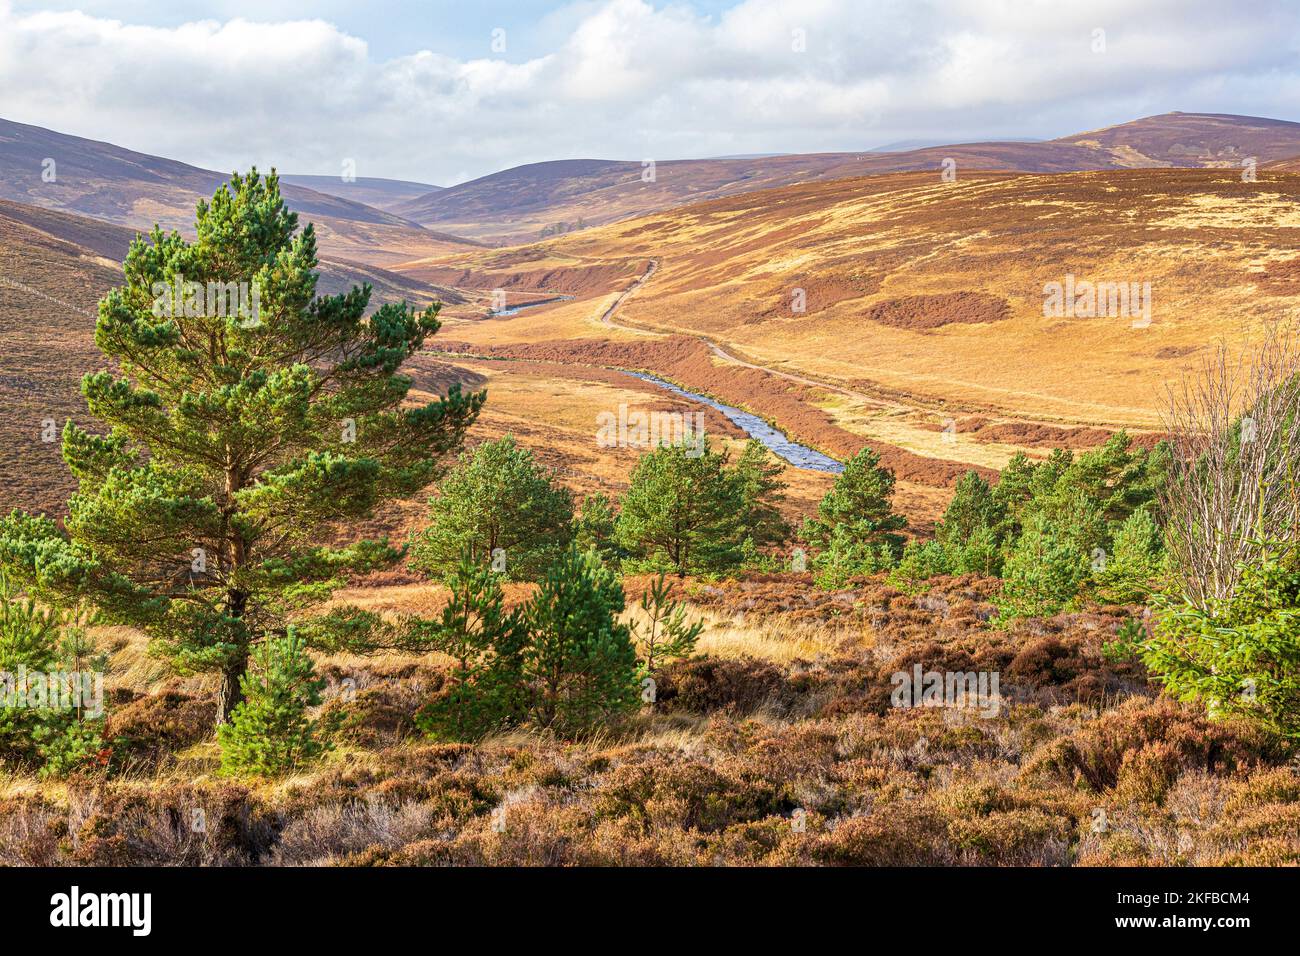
pixel 1205 240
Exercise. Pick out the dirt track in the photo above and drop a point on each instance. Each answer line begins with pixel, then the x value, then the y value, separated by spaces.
pixel 607 319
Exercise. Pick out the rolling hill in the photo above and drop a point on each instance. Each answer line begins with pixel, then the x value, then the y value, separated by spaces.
pixel 1194 139
pixel 923 301
pixel 530 202
pixel 117 185
pixel 377 193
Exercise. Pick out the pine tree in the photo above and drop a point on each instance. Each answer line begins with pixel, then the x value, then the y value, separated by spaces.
pixel 845 556
pixel 762 492
pixel 497 504
pixel 665 634
pixel 981 554
pixel 596 529
pixel 973 506
pixel 1240 656
pixel 970 526
pixel 580 664
pixel 862 501
pixel 269 733
pixel 1043 573
pixel 47 726
pixel 921 561
pixel 1131 569
pixel 240 436
pixel 684 511
pixel 1012 493
pixel 856 529
pixel 485 689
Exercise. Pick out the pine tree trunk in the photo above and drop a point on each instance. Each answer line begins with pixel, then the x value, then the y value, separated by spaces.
pixel 230 694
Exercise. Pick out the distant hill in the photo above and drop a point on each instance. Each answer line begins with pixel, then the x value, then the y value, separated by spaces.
pixel 1194 140
pixel 903 145
pixel 541 199
pixel 934 291
pixel 530 202
pixel 49 284
pixel 1291 165
pixel 377 193
pixel 104 181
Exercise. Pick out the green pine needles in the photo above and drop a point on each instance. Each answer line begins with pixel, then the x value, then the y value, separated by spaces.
pixel 269 732
pixel 562 662
pixel 243 438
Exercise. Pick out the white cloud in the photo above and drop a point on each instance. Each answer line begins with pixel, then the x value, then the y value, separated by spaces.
pixel 626 79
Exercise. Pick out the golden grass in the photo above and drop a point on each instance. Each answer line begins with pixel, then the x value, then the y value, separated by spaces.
pixel 774 639
pixel 727 268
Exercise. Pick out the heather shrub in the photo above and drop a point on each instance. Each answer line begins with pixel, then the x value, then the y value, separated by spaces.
pixel 1045 662
pixel 1272 785
pixel 322 835
pixel 376 717
pixel 1146 775
pixel 1094 754
pixel 1261 836
pixel 684 795
pixel 771 841
pixel 174 825
pixel 33 832
pixel 902 833
pixel 1022 837
pixel 150 729
pixel 709 684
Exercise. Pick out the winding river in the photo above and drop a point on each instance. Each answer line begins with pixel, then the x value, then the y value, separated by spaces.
pixel 801 456
pixel 516 309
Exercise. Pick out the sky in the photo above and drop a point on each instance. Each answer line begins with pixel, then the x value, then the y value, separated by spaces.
pixel 443 92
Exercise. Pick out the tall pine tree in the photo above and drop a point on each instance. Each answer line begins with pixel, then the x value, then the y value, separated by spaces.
pixel 241 433
pixel 684 510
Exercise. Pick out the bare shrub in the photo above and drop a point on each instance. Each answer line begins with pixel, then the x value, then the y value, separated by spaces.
pixel 323 834
pixel 31 833
pixel 1234 428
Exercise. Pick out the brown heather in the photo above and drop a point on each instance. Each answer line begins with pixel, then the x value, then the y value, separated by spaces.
pixel 742 744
